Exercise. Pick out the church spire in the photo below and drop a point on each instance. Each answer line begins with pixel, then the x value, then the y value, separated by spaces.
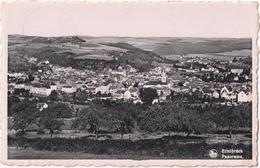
pixel 163 76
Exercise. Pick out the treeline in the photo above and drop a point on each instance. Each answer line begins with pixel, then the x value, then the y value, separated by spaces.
pixel 126 117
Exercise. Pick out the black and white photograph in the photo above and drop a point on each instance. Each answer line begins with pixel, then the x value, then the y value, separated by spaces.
pixel 130 81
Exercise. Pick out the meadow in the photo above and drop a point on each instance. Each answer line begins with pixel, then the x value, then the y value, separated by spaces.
pixel 166 147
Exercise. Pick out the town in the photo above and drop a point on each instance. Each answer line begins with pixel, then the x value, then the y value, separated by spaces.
pixel 221 82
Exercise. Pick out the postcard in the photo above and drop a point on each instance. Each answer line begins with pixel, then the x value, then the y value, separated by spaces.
pixel 129 83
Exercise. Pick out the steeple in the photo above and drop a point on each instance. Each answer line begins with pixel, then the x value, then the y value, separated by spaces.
pixel 163 76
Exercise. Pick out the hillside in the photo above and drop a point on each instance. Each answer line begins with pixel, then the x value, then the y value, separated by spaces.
pixel 77 53
pixel 96 53
pixel 136 57
pixel 201 47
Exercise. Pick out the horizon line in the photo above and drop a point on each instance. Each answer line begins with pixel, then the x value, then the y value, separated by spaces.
pixel 98 36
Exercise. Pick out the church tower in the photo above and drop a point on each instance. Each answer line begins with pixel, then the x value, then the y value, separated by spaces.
pixel 163 76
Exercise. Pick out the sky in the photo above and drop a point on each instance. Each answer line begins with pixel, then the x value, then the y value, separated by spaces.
pixel 132 20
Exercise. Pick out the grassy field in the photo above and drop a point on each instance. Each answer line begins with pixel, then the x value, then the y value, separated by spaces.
pixel 221 56
pixel 153 147
pixel 14 153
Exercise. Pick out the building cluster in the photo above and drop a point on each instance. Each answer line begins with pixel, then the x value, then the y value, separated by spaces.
pixel 125 82
pixel 212 70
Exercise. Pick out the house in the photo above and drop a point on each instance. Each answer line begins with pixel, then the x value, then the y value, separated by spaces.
pixel 68 89
pixel 134 92
pixel 236 70
pixel 176 89
pixel 226 90
pixel 191 70
pixel 127 95
pixel 154 84
pixel 207 91
pixel 19 86
pixel 215 94
pixel 89 89
pixel 193 88
pixel 185 89
pixel 53 87
pixel 244 96
pixel 228 93
pixel 137 101
pixel 119 94
pixel 163 92
pixel 236 78
pixel 103 89
pixel 216 70
pixel 163 89
pixel 41 91
pixel 155 101
pixel 42 106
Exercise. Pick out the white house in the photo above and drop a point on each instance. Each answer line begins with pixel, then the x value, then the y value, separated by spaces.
pixel 53 87
pixel 155 101
pixel 242 96
pixel 236 78
pixel 68 89
pixel 40 91
pixel 127 95
pixel 236 70
pixel 19 86
pixel 215 94
pixel 227 94
pixel 103 89
pixel 137 101
pixel 42 106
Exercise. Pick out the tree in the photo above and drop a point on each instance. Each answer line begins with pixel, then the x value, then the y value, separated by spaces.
pixel 230 117
pixel 54 95
pixel 147 95
pixel 98 94
pixel 63 96
pixel 180 84
pixel 246 114
pixel 21 92
pixel 50 119
pixel 155 118
pixel 234 59
pixel 24 113
pixel 63 110
pixel 12 100
pixel 123 116
pixel 81 96
pixel 30 78
pixel 89 118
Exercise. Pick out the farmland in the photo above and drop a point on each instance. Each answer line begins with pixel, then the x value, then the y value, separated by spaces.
pixel 141 53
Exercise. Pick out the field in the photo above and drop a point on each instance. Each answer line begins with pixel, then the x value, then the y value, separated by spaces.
pixel 14 153
pixel 156 146
pixel 95 57
pixel 221 56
